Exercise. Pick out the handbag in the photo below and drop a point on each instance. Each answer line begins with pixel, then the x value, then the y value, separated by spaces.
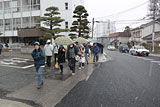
pixel 56 65
pixel 77 58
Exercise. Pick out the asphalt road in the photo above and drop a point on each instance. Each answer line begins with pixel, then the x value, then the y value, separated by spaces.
pixel 125 81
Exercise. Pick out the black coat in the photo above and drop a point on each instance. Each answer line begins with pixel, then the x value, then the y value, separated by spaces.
pixel 61 56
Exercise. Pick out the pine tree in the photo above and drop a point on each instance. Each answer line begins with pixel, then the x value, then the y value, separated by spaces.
pixel 52 22
pixel 80 25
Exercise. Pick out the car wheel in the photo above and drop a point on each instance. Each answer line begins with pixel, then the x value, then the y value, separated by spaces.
pixel 147 54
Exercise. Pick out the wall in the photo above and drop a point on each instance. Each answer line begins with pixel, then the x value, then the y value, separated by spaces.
pixel 146 31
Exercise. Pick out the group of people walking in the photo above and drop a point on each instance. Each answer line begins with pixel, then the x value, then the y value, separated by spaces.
pixel 75 53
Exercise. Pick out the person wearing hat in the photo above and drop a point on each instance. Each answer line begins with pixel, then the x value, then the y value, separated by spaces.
pixel 39 62
pixel 48 48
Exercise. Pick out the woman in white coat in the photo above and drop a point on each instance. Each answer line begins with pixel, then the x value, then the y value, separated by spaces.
pixel 48 48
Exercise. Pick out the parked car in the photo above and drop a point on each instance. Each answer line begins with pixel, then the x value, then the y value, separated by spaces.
pixel 123 48
pixel 111 47
pixel 139 50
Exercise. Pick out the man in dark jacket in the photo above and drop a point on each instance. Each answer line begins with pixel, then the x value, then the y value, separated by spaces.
pixel 96 51
pixel 86 51
pixel 39 62
pixel 71 53
pixel 1 46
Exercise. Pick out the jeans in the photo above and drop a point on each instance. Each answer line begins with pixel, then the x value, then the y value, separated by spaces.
pixel 39 71
pixel 86 57
pixel 95 58
pixel 48 61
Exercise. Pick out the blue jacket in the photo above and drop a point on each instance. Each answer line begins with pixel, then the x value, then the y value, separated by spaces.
pixel 96 49
pixel 39 57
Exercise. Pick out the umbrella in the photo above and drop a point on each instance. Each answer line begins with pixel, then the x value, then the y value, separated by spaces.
pixel 81 40
pixel 63 41
pixel 99 44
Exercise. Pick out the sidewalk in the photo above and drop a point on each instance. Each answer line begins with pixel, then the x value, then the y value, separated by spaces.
pixel 8 103
pixel 55 87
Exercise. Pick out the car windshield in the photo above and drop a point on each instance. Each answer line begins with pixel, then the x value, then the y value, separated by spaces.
pixel 125 46
pixel 140 47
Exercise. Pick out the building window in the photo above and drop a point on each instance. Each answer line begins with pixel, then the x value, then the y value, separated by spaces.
pixel 16 23
pixel 7 7
pixel 15 5
pixel 1 8
pixel 34 21
pixel 66 6
pixel 66 24
pixel 7 4
pixel 35 4
pixel 7 24
pixel 1 25
pixel 26 22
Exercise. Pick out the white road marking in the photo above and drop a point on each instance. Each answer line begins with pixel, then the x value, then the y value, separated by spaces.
pixel 148 59
pixel 151 68
pixel 155 61
pixel 27 66
pixel 14 62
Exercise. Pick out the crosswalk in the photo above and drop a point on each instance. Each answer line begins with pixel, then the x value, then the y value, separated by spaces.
pixel 19 63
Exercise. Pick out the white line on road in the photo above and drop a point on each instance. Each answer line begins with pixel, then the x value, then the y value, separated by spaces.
pixel 155 61
pixel 148 59
pixel 151 68
pixel 25 67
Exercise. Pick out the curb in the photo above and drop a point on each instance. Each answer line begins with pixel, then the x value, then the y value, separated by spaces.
pixel 9 103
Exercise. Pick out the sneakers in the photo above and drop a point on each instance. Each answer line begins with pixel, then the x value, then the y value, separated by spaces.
pixel 79 68
pixel 73 73
pixel 83 67
pixel 39 86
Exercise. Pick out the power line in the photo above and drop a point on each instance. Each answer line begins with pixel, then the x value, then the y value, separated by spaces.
pixel 121 12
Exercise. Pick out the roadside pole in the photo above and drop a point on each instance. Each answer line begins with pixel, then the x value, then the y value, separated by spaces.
pixel 153 31
pixel 92 27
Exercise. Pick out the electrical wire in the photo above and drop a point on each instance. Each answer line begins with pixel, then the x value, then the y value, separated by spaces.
pixel 122 12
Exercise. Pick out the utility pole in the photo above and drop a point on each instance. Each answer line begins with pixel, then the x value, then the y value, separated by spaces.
pixel 153 31
pixel 92 27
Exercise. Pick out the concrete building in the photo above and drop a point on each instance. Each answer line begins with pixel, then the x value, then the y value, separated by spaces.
pixel 17 14
pixel 147 35
pixel 119 37
pixel 104 28
pixel 136 36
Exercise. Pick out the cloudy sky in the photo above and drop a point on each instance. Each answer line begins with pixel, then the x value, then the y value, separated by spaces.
pixel 117 10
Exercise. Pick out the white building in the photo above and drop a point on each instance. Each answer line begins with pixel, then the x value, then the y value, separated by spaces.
pixel 104 28
pixel 17 14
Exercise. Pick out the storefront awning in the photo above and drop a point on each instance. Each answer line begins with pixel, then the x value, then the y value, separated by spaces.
pixel 30 33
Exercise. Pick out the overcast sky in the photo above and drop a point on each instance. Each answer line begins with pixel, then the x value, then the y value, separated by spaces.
pixel 102 8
